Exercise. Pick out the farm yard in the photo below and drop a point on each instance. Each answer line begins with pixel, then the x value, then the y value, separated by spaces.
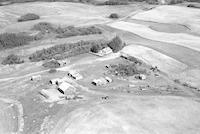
pixel 70 68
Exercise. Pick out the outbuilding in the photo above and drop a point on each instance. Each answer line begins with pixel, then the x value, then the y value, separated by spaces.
pixel 63 62
pixel 99 82
pixel 64 87
pixel 141 77
pixel 36 78
pixel 75 75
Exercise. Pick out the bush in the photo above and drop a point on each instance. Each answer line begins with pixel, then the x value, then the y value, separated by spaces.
pixel 124 69
pixel 12 59
pixel 115 2
pixel 52 70
pixel 95 48
pixel 28 17
pixel 77 31
pixel 114 16
pixel 193 6
pixel 44 27
pixel 116 44
pixel 11 40
pixel 132 59
pixel 51 64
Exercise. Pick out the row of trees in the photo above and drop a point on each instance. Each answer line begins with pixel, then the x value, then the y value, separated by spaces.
pixel 11 40
pixel 72 49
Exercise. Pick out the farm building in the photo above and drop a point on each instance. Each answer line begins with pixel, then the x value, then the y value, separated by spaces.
pixel 36 78
pixel 140 76
pixel 101 81
pixel 109 80
pixel 63 62
pixel 75 75
pixel 64 87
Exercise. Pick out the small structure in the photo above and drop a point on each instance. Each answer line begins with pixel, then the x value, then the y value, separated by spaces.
pixel 51 95
pixel 75 75
pixel 64 86
pixel 109 80
pixel 56 81
pixel 140 76
pixel 36 78
pixel 105 51
pixel 124 55
pixel 63 62
pixel 105 97
pixel 101 81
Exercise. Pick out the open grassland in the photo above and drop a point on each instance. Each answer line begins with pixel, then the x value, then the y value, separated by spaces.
pixel 157 104
pixel 173 14
pixel 134 115
pixel 185 40
pixel 152 57
pixel 60 13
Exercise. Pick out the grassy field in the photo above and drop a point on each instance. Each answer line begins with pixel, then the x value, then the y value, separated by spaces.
pixel 167 101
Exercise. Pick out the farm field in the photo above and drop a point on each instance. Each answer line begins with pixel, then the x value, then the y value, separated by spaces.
pixel 144 77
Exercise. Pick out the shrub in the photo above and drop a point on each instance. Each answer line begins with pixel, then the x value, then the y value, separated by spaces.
pixel 12 59
pixel 52 70
pixel 44 27
pixel 11 40
pixel 51 64
pixel 124 69
pixel 115 2
pixel 114 16
pixel 95 48
pixel 116 44
pixel 77 31
pixel 132 59
pixel 193 6
pixel 28 17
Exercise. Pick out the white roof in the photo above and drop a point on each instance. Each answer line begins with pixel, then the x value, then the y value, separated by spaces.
pixel 65 86
pixel 75 74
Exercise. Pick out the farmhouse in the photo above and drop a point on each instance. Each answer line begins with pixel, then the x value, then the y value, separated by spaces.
pixel 105 51
pixel 75 75
pixel 36 78
pixel 63 87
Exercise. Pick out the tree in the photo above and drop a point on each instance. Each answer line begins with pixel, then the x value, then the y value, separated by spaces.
pixel 29 16
pixel 95 48
pixel 12 59
pixel 116 44
pixel 114 16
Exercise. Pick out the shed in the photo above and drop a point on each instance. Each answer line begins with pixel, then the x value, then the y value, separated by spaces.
pixel 141 76
pixel 63 62
pixel 75 75
pixel 64 86
pixel 99 82
pixel 36 78
pixel 109 80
